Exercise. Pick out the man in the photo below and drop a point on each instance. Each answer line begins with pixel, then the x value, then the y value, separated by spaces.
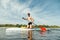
pixel 30 20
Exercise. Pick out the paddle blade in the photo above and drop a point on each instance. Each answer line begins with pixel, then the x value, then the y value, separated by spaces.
pixel 42 28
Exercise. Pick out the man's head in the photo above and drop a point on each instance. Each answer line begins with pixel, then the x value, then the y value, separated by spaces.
pixel 28 14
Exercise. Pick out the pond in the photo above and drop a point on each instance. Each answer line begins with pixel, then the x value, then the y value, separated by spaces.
pixel 17 34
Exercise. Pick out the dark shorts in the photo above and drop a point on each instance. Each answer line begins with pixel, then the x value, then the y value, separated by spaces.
pixel 30 23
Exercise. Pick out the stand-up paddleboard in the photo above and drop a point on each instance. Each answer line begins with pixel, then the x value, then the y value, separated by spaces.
pixel 15 30
pixel 23 29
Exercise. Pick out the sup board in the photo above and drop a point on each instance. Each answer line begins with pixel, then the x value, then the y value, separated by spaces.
pixel 24 29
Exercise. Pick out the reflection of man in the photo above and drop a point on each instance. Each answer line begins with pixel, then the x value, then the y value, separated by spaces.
pixel 30 20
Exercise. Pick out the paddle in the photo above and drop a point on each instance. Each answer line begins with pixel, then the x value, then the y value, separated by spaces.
pixel 42 28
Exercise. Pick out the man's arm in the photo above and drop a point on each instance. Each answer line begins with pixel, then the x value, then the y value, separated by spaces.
pixel 24 18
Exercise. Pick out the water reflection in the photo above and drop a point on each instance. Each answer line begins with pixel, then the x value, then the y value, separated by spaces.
pixel 30 35
pixel 43 33
pixel 24 35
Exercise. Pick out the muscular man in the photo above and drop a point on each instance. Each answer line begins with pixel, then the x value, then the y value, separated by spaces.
pixel 30 20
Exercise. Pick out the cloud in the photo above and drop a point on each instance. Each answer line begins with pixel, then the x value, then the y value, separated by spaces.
pixel 11 10
pixel 44 12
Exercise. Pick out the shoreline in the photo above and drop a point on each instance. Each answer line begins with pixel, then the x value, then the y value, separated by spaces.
pixel 25 27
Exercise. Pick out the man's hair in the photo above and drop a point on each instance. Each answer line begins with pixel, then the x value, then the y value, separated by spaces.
pixel 28 13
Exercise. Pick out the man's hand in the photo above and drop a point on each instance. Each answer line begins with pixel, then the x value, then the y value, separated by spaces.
pixel 24 18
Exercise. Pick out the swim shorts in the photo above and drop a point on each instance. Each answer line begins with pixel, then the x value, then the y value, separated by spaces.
pixel 29 23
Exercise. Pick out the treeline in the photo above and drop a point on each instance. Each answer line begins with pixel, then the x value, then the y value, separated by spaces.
pixel 13 25
pixel 23 25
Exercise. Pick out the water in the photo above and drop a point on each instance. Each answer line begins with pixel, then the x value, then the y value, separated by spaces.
pixel 53 34
pixel 2 33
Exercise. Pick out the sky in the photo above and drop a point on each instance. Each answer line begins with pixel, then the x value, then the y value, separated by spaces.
pixel 43 11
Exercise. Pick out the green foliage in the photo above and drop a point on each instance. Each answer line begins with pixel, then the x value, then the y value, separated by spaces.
pixel 23 25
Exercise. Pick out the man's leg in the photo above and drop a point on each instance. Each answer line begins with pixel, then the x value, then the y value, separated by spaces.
pixel 27 26
pixel 31 26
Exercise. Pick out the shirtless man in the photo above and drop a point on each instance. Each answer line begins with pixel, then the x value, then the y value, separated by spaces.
pixel 30 20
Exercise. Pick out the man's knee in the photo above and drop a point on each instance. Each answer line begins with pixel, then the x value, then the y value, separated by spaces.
pixel 30 26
